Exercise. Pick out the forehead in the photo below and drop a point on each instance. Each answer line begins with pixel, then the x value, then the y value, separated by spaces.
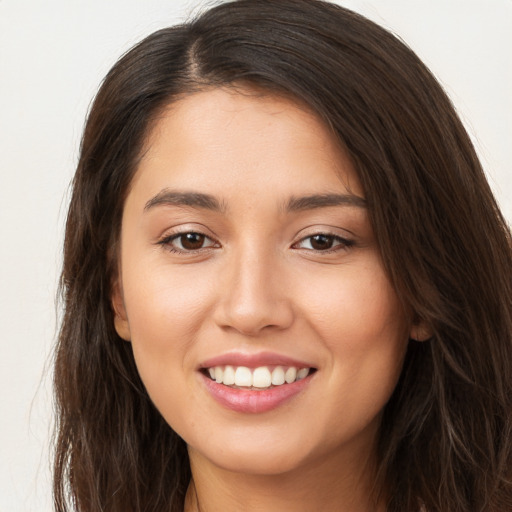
pixel 224 138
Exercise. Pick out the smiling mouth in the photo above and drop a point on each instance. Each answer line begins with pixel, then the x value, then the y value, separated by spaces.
pixel 258 379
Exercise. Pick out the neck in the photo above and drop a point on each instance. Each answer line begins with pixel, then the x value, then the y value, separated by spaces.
pixel 325 485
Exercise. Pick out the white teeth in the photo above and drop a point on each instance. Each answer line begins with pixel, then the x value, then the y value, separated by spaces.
pixel 243 377
pixel 278 376
pixel 303 372
pixel 261 377
pixel 229 376
pixel 290 375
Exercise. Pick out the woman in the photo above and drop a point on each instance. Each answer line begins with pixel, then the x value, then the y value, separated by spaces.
pixel 287 284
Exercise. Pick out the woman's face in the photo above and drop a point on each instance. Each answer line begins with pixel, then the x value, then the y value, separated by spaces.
pixel 247 254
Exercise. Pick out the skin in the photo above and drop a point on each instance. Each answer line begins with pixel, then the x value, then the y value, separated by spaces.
pixel 258 284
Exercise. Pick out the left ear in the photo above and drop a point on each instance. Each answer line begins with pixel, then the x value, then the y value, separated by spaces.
pixel 420 332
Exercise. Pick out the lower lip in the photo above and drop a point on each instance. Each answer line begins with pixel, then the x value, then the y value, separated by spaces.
pixel 251 401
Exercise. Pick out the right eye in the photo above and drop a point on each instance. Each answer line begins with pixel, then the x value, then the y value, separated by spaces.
pixel 190 241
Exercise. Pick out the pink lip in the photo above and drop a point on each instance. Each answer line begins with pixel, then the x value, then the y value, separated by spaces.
pixel 254 360
pixel 251 401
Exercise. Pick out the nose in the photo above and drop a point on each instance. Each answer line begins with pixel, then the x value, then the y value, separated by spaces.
pixel 253 294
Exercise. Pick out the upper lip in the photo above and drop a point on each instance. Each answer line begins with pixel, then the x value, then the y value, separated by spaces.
pixel 254 360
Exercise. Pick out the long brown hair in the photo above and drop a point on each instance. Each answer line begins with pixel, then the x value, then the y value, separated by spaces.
pixel 446 434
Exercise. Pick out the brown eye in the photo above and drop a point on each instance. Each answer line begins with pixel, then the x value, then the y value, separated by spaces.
pixel 323 242
pixel 191 241
pixel 188 242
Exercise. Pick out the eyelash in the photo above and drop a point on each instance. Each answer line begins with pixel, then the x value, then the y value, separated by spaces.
pixel 342 243
pixel 168 241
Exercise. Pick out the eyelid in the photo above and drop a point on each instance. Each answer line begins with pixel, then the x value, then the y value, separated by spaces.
pixel 344 243
pixel 166 240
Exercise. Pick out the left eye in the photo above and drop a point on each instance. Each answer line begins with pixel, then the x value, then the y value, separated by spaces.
pixel 190 241
pixel 322 242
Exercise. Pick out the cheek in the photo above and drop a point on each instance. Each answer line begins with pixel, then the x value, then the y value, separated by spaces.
pixel 363 325
pixel 374 335
pixel 165 301
pixel 355 308
pixel 166 311
pixel 165 315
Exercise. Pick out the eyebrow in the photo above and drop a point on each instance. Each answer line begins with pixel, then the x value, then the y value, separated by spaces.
pixel 194 199
pixel 324 201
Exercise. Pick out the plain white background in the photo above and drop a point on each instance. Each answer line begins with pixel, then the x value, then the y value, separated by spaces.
pixel 53 55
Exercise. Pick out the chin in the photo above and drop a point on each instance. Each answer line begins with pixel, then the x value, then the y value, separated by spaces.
pixel 252 459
